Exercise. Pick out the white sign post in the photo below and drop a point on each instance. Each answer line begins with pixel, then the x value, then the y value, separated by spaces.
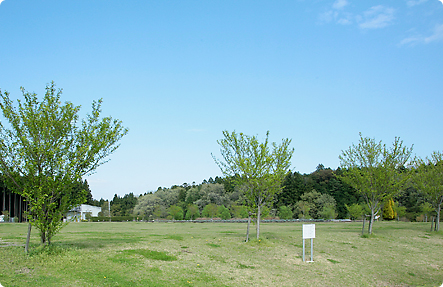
pixel 309 233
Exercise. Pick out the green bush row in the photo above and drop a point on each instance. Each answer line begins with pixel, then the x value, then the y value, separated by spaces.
pixel 113 218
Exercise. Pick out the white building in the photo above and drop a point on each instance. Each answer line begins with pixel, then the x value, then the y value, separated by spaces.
pixel 79 212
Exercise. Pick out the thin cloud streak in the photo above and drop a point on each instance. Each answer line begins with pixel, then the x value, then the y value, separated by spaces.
pixel 377 17
pixel 437 35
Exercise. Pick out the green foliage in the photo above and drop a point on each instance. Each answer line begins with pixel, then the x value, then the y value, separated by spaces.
pixel 302 208
pixel 328 212
pixel 239 211
pixel 44 153
pixel 176 212
pixel 284 212
pixel 224 212
pixel 399 210
pixel 375 170
pixel 259 167
pixel 428 178
pixel 427 209
pixel 113 218
pixel 123 206
pixel 355 211
pixel 388 210
pixel 192 212
pixel 210 211
pixel 315 205
pixel 105 209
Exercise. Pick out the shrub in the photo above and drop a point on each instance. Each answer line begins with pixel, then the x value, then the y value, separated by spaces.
pixel 192 212
pixel 113 218
pixel 239 211
pixel 355 211
pixel 224 212
pixel 176 212
pixel 284 212
pixel 210 210
pixel 388 210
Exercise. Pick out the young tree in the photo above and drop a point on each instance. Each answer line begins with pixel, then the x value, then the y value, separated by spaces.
pixel 224 212
pixel 44 152
pixel 284 212
pixel 260 167
pixel 210 210
pixel 388 210
pixel 429 180
pixel 176 212
pixel 373 169
pixel 192 212
pixel 355 211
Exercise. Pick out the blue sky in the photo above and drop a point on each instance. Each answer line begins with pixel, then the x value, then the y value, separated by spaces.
pixel 178 73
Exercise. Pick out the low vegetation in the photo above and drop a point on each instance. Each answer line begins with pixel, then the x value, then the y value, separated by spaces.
pixel 215 254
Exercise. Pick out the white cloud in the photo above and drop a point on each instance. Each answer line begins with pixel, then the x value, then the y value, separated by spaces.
pixel 340 4
pixel 1 1
pixel 377 17
pixel 441 1
pixel 437 35
pixel 339 17
pixel 412 3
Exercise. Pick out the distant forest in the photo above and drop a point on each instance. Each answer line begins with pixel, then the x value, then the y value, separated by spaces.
pixel 317 195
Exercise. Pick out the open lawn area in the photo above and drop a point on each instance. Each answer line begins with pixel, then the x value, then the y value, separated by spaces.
pixel 215 254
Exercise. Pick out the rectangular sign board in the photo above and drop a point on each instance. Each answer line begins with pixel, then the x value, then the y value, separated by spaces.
pixel 308 231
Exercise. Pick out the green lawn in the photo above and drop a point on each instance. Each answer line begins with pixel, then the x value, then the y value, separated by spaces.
pixel 215 254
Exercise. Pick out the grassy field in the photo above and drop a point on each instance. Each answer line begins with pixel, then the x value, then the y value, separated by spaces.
pixel 215 254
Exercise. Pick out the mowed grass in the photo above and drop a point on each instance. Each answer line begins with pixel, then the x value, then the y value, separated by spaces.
pixel 215 254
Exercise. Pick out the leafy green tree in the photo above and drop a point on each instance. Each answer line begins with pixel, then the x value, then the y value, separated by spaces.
pixel 212 193
pixel 399 210
pixel 160 211
pixel 293 187
pixel 260 167
pixel 327 212
pixel 44 152
pixel 284 212
pixel 388 210
pixel 355 211
pixel 105 209
pixel 176 212
pixel 303 209
pixel 374 170
pixel 224 212
pixel 428 178
pixel 427 210
pixel 192 212
pixel 239 211
pixel 210 210
pixel 146 204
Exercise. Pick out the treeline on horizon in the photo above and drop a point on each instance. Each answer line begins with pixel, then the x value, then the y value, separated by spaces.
pixel 318 195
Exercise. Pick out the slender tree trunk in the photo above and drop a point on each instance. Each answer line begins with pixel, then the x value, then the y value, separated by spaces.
pixel 28 237
pixel 247 230
pixel 432 223
pixel 371 222
pixel 258 222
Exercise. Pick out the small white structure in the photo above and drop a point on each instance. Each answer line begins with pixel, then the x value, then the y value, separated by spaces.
pixel 78 213
pixel 309 233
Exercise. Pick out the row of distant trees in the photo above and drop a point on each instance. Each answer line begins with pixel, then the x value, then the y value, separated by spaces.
pixel 318 195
